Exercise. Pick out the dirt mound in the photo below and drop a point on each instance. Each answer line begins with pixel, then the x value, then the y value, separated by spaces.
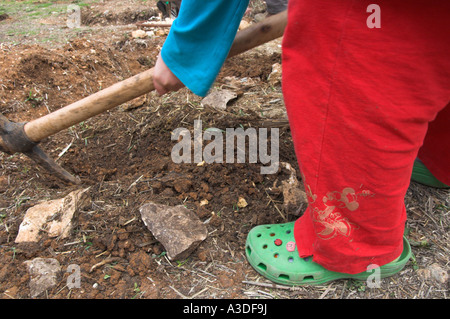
pixel 94 17
pixel 49 79
pixel 234 68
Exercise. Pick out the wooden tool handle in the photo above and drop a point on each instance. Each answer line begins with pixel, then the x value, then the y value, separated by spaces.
pixel 142 83
pixel 257 34
pixel 94 104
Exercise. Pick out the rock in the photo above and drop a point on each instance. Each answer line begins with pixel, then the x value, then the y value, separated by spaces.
pixel 259 17
pixel 56 217
pixel 274 77
pixel 218 99
pixel 434 272
pixel 139 34
pixel 243 25
pixel 177 228
pixel 242 202
pixel 294 197
pixel 160 32
pixel 438 274
pixel 43 273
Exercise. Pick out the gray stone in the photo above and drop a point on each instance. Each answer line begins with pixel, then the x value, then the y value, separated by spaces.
pixel 218 99
pixel 434 272
pixel 177 228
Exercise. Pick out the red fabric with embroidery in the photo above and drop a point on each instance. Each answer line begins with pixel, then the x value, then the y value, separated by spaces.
pixel 359 102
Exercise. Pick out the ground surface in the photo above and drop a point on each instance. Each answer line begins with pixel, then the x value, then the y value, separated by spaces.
pixel 123 155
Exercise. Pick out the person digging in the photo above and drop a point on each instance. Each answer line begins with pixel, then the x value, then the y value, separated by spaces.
pixel 366 92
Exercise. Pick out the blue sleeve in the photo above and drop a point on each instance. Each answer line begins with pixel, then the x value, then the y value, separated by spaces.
pixel 200 39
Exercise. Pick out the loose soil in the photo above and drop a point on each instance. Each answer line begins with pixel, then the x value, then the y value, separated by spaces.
pixel 124 156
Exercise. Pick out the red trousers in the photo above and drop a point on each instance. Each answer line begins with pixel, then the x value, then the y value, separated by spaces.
pixel 366 91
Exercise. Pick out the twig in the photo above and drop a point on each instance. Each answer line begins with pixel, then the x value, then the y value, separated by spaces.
pixel 103 262
pixel 187 297
pixel 267 285
pixel 199 293
pixel 276 207
pixel 134 183
pixel 153 25
pixel 179 293
pixel 326 291
pixel 65 150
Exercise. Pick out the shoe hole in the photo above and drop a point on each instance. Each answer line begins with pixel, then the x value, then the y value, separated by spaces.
pixel 262 266
pixel 308 278
pixel 307 259
pixel 291 259
pixel 283 276
pixel 272 234
pixel 249 250
pixel 288 232
pixel 258 235
pixel 265 247
pixel 276 255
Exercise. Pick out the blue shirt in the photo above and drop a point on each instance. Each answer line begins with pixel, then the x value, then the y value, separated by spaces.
pixel 200 39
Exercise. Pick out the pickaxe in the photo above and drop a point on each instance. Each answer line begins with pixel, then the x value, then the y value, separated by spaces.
pixel 25 137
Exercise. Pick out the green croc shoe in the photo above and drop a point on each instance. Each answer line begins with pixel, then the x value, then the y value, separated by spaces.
pixel 271 251
pixel 422 175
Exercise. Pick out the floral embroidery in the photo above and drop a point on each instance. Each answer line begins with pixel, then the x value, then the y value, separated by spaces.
pixel 330 220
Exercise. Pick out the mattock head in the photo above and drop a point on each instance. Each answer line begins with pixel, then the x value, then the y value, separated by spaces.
pixel 13 139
